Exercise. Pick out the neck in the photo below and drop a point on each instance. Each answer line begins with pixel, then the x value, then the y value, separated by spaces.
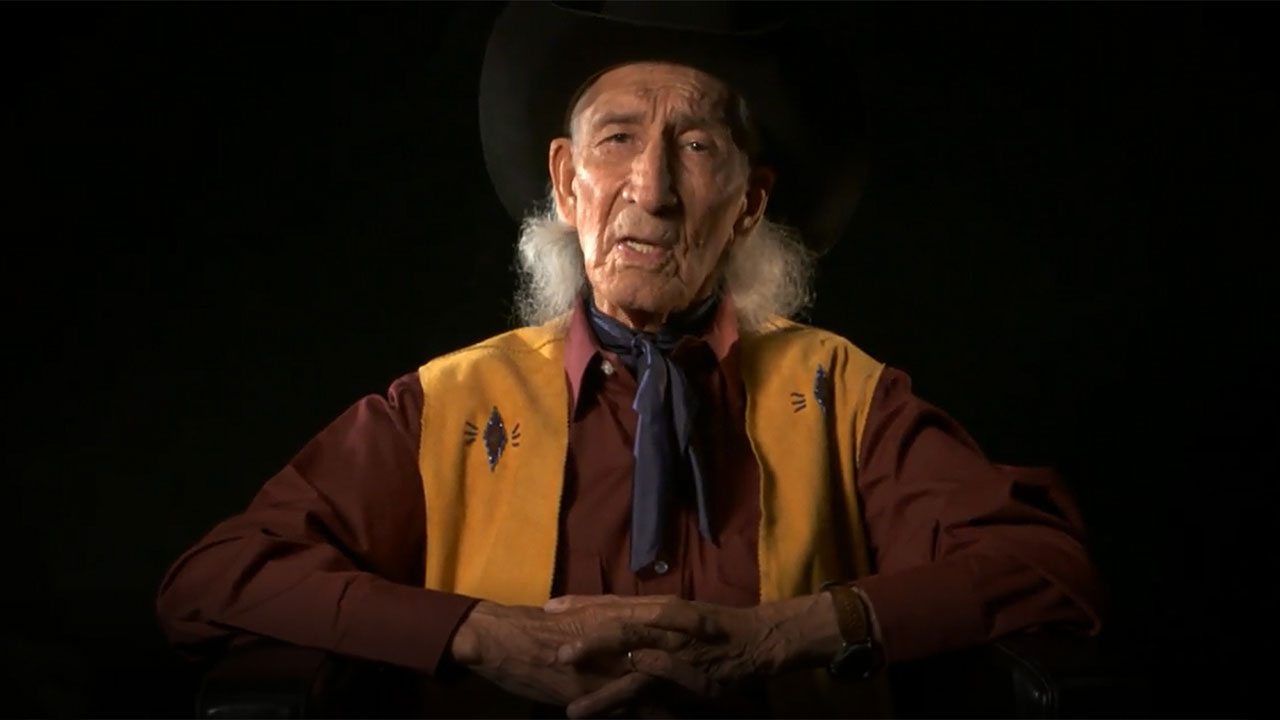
pixel 639 320
pixel 635 319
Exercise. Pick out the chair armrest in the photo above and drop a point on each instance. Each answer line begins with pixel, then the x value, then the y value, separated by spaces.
pixel 1048 674
pixel 264 680
pixel 1030 675
pixel 271 679
pixel 1060 675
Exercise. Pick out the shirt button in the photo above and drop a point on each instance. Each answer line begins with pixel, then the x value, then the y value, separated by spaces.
pixel 661 567
pixel 606 367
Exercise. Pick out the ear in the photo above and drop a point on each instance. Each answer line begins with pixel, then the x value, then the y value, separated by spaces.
pixel 759 187
pixel 560 167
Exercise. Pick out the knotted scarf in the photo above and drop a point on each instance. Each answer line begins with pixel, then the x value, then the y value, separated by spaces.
pixel 665 408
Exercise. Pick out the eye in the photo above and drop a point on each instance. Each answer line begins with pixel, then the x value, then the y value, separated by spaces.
pixel 618 138
pixel 698 146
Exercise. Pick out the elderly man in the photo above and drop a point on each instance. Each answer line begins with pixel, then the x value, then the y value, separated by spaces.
pixel 660 489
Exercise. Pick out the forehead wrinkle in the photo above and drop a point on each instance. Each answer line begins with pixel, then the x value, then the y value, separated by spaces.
pixel 699 100
pixel 687 100
pixel 681 116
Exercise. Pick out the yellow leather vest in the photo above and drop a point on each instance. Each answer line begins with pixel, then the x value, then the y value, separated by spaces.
pixel 495 426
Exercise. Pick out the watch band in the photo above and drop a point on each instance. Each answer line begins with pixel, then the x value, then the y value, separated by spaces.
pixel 858 657
pixel 851 614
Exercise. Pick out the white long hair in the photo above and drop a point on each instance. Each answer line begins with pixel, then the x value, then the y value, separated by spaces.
pixel 768 273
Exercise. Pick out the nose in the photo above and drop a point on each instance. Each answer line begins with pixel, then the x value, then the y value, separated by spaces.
pixel 651 185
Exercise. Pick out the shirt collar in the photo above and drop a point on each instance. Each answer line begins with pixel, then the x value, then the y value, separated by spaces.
pixel 581 348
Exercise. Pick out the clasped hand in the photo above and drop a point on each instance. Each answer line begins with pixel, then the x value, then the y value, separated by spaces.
pixel 600 655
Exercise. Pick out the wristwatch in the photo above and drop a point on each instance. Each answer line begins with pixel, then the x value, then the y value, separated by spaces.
pixel 858 657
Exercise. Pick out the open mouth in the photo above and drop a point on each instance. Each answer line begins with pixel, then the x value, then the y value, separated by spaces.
pixel 649 255
pixel 644 248
pixel 643 253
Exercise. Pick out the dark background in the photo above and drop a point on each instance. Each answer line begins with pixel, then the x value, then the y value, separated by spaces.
pixel 225 223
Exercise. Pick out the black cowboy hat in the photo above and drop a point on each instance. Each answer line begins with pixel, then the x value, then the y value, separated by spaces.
pixel 792 72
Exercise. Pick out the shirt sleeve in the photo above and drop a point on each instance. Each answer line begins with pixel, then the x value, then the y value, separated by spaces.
pixel 330 552
pixel 964 550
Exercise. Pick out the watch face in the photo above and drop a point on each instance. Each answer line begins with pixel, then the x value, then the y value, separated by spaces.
pixel 853 662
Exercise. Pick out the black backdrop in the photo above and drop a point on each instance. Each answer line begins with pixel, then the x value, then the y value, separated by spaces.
pixel 227 222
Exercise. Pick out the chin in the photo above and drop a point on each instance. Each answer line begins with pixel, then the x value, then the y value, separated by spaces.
pixel 646 298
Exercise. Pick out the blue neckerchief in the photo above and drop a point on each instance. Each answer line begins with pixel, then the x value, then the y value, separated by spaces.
pixel 665 407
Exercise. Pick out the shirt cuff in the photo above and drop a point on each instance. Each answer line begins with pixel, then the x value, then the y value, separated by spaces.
pixel 925 610
pixel 404 625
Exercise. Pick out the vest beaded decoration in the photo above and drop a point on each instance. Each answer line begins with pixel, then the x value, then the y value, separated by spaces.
pixel 492 527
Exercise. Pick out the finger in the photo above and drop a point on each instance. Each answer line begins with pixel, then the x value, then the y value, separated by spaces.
pixel 568 602
pixel 669 624
pixel 611 696
pixel 679 616
pixel 662 611
pixel 617 639
pixel 669 667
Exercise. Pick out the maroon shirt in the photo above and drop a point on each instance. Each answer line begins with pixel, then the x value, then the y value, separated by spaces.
pixel 330 552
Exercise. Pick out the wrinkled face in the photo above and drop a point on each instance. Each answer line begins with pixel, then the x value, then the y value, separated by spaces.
pixel 656 187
